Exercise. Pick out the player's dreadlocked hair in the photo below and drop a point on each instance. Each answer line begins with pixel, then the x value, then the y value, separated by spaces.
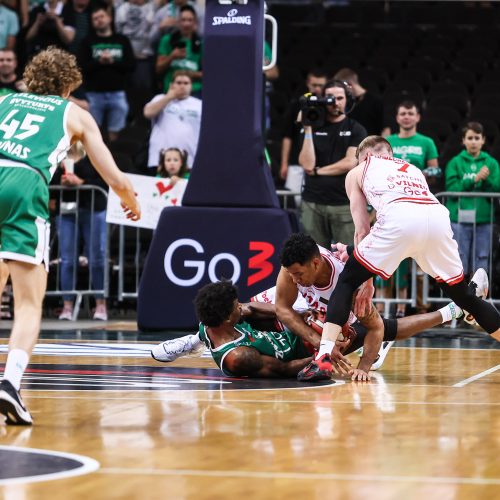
pixel 214 302
pixel 298 249
pixel 52 72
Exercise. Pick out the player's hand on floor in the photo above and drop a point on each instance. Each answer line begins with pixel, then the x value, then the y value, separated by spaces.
pixel 358 375
pixel 340 363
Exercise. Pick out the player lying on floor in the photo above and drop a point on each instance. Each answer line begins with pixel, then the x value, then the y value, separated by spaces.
pixel 306 280
pixel 238 349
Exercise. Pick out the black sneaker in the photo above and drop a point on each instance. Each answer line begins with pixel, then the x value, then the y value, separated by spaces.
pixel 318 369
pixel 12 406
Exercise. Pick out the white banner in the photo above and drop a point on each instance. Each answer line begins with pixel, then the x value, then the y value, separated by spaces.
pixel 153 193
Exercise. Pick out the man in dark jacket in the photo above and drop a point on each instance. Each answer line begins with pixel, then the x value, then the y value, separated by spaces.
pixel 107 60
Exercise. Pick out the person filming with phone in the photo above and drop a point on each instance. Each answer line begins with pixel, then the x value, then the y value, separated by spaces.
pixel 181 50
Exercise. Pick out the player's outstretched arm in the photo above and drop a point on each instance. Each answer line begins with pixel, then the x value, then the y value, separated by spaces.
pixel 246 361
pixel 83 127
pixel 258 310
pixel 358 205
pixel 286 295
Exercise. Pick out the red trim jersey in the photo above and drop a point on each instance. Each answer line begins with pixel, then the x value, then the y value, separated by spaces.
pixel 311 297
pixel 391 180
pixel 410 223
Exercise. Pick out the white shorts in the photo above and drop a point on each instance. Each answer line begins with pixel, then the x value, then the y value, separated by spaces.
pixel 422 232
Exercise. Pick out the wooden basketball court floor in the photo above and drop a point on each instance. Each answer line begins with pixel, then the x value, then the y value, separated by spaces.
pixel 427 426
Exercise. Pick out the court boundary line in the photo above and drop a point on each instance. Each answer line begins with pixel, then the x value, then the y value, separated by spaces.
pixel 300 476
pixel 482 374
pixel 260 401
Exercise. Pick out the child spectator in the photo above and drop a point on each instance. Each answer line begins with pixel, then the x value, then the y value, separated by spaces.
pixel 173 165
pixel 473 170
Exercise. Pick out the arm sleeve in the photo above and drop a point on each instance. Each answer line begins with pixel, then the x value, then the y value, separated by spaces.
pixel 432 152
pixel 13 28
pixel 164 47
pixel 85 59
pixel 492 183
pixel 128 61
pixel 454 180
pixel 121 17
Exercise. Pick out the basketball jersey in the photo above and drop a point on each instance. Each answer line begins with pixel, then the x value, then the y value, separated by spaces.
pixel 280 345
pixel 311 297
pixel 33 132
pixel 317 298
pixel 391 180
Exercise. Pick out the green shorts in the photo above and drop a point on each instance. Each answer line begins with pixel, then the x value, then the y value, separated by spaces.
pixel 24 216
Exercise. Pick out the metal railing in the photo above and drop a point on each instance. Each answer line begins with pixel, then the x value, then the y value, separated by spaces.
pixel 417 278
pixel 443 197
pixel 127 257
pixel 74 211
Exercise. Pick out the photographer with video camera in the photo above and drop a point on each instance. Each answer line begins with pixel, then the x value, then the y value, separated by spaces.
pixel 330 139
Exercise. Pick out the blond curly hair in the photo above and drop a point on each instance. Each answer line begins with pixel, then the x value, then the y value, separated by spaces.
pixel 52 72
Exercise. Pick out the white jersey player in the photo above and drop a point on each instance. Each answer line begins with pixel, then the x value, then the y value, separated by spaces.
pixel 410 223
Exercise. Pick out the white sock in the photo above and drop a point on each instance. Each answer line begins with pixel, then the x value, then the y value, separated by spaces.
pixel 450 311
pixel 17 361
pixel 325 347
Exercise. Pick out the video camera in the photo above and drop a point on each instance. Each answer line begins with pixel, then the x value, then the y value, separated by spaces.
pixel 314 109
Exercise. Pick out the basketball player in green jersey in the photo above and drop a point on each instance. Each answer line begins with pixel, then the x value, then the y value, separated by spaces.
pixel 36 130
pixel 239 349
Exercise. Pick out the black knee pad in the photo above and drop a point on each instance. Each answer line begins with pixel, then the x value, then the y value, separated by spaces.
pixel 352 276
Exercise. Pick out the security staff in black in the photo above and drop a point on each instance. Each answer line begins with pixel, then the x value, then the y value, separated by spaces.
pixel 327 154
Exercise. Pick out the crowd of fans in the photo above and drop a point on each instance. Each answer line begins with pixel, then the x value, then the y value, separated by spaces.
pixel 141 66
pixel 142 81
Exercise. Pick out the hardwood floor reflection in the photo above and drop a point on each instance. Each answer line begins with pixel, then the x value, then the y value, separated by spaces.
pixel 408 434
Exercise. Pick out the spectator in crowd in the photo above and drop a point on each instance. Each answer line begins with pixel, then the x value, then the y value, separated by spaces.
pixel 173 165
pixel 290 171
pixel 327 154
pixel 368 107
pixel 472 171
pixel 82 215
pixel 78 13
pixel 9 28
pixel 48 26
pixel 107 60
pixel 408 144
pixel 181 49
pixel 134 19
pixel 8 77
pixel 176 119
pixel 21 9
pixel 165 18
pixel 421 151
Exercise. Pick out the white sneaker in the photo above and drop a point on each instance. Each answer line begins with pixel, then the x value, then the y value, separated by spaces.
pixel 382 353
pixel 100 313
pixel 66 314
pixel 170 350
pixel 481 284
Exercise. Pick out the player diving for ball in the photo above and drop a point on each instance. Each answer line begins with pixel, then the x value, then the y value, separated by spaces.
pixel 312 272
pixel 239 349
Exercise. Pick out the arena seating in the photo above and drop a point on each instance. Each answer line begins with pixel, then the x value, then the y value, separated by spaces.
pixel 443 55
